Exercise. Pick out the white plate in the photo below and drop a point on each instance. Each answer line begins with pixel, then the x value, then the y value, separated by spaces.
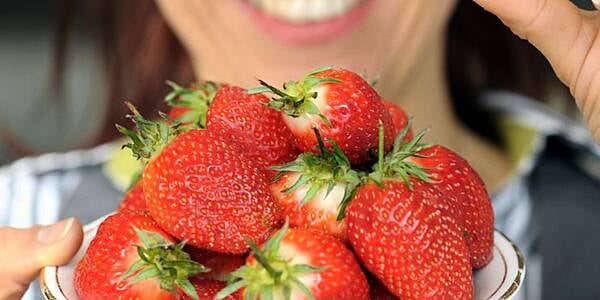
pixel 498 280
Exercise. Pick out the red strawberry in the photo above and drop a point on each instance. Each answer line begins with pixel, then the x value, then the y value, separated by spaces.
pixel 132 258
pixel 407 234
pixel 207 289
pixel 378 291
pixel 308 264
pixel 399 118
pixel 463 187
pixel 410 241
pixel 134 198
pixel 340 104
pixel 190 105
pixel 313 189
pixel 220 264
pixel 201 189
pixel 204 191
pixel 248 121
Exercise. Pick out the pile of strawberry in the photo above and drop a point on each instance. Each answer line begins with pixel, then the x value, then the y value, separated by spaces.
pixel 317 191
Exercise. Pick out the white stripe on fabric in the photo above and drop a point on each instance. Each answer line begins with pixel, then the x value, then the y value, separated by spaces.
pixel 5 197
pixel 536 115
pixel 19 202
pixel 69 182
pixel 517 222
pixel 505 200
pixel 24 190
pixel 64 161
pixel 49 199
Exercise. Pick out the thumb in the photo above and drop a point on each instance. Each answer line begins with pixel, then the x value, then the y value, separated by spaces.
pixel 23 252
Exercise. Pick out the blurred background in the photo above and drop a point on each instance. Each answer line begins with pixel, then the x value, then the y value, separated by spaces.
pixel 34 119
pixel 28 37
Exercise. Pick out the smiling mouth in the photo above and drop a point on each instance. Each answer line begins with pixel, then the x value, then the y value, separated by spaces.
pixel 305 11
pixel 306 21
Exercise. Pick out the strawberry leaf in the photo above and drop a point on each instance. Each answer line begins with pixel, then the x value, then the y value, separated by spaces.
pixel 163 260
pixel 303 288
pixel 310 194
pixel 318 70
pixel 146 273
pixel 188 288
pixel 267 293
pixel 396 165
pixel 230 289
pixel 150 136
pixel 270 273
pixel 324 170
pixel 195 100
pixel 297 97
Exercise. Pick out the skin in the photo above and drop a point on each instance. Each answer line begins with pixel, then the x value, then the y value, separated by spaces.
pixel 394 41
pixel 408 55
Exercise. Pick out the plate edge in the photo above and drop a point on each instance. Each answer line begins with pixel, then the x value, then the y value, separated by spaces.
pixel 517 281
pixel 512 290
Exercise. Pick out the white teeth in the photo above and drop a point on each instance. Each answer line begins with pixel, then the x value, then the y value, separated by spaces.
pixel 296 9
pixel 317 10
pixel 303 11
pixel 337 6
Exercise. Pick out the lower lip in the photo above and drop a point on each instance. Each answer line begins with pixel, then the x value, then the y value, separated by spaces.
pixel 316 32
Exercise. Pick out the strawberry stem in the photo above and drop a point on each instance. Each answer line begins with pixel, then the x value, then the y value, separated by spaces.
pixel 381 146
pixel 324 170
pixel 395 165
pixel 163 260
pixel 196 100
pixel 150 136
pixel 378 169
pixel 297 97
pixel 271 272
pixel 262 260
pixel 324 151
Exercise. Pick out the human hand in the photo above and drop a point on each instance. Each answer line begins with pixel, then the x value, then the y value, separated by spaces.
pixel 23 252
pixel 570 40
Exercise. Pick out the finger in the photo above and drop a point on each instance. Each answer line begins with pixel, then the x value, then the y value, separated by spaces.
pixel 596 3
pixel 23 252
pixel 568 38
pixel 555 27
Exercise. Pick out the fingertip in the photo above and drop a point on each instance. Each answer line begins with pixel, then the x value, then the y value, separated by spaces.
pixel 61 250
pixel 23 252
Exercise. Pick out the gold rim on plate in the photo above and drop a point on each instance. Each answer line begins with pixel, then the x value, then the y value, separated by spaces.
pixel 516 283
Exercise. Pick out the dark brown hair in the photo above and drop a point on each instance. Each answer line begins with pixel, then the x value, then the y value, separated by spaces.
pixel 141 52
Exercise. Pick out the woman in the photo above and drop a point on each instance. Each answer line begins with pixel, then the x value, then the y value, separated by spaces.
pixel 403 41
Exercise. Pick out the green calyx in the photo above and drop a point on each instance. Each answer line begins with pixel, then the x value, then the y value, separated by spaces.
pixel 196 100
pixel 271 274
pixel 150 136
pixel 323 170
pixel 165 261
pixel 394 165
pixel 297 97
pixel 373 81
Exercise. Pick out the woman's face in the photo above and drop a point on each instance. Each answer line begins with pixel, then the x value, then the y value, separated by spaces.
pixel 239 40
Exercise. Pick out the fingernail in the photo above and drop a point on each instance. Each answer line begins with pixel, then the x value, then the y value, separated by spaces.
pixel 56 232
pixel 596 3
